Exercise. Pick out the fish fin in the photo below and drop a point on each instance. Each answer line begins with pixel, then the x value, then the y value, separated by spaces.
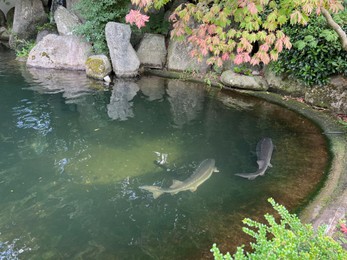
pixel 270 165
pixel 156 191
pixel 156 194
pixel 215 169
pixel 260 163
pixel 175 184
pixel 193 189
pixel 247 176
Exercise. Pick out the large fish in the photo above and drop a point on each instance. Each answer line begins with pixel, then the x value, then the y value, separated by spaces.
pixel 264 153
pixel 200 175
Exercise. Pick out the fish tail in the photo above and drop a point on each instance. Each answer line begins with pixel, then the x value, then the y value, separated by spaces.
pixel 156 191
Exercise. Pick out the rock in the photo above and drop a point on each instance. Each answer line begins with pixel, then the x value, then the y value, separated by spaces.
pixel 98 67
pixel 179 58
pixel 282 84
pixel 2 19
pixel 232 79
pixel 333 96
pixel 27 16
pixel 43 33
pixel 60 52
pixel 4 34
pixel 66 21
pixel 124 60
pixel 152 51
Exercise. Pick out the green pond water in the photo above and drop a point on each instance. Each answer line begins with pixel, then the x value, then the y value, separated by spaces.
pixel 74 152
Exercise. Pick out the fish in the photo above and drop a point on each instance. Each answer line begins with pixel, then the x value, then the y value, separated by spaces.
pixel 199 176
pixel 264 154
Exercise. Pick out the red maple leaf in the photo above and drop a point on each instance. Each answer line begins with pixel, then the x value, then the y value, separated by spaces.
pixel 343 228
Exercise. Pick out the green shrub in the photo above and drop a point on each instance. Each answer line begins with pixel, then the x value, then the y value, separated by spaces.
pixel 316 54
pixel 23 48
pixel 97 14
pixel 288 239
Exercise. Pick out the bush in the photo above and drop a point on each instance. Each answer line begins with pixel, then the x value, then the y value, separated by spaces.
pixel 97 14
pixel 288 239
pixel 316 53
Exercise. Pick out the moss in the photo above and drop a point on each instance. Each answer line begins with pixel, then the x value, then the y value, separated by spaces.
pixel 44 54
pixel 95 65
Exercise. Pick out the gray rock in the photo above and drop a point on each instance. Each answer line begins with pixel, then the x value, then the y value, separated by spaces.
pixel 333 96
pixel 27 16
pixel 152 51
pixel 283 85
pixel 66 21
pixel 2 19
pixel 60 52
pixel 98 67
pixel 232 79
pixel 124 60
pixel 43 33
pixel 179 58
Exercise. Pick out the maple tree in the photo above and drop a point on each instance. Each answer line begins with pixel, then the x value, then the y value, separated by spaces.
pixel 230 29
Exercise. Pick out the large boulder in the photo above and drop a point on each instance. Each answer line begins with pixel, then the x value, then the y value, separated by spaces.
pixel 124 60
pixel 27 16
pixel 98 66
pixel 60 52
pixel 152 51
pixel 179 58
pixel 66 21
pixel 232 79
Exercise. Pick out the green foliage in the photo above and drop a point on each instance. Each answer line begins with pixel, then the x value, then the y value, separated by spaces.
pixel 157 24
pixel 23 48
pixel 316 54
pixel 97 14
pixel 242 69
pixel 286 239
pixel 47 26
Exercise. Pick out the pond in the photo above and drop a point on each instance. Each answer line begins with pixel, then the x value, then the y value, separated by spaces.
pixel 74 152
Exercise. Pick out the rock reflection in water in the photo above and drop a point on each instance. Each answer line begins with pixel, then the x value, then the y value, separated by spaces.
pixel 153 88
pixel 186 100
pixel 72 84
pixel 120 106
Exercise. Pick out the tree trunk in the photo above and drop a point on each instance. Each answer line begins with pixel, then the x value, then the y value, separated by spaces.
pixel 337 28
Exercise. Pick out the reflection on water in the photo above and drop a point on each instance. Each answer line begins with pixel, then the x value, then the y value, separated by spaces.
pixel 73 155
pixel 120 106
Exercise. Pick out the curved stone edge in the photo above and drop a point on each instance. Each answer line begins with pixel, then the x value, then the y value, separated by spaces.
pixel 329 205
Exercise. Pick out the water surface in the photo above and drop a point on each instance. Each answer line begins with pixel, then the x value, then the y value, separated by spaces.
pixel 73 153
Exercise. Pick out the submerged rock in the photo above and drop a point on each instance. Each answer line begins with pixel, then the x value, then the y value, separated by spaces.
pixel 98 67
pixel 60 52
pixel 124 59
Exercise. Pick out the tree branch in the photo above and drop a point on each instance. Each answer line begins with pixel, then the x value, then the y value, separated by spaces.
pixel 337 28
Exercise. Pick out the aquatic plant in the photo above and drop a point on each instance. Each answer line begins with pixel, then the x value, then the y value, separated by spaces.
pixel 286 239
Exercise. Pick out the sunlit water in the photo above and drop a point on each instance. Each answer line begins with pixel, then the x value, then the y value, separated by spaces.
pixel 73 154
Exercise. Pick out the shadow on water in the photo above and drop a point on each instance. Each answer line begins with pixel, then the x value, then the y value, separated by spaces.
pixel 74 152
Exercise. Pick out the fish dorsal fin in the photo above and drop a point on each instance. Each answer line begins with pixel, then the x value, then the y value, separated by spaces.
pixel 175 184
pixel 260 163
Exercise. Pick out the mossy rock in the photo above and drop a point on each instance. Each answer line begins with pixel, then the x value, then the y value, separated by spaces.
pixel 98 66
